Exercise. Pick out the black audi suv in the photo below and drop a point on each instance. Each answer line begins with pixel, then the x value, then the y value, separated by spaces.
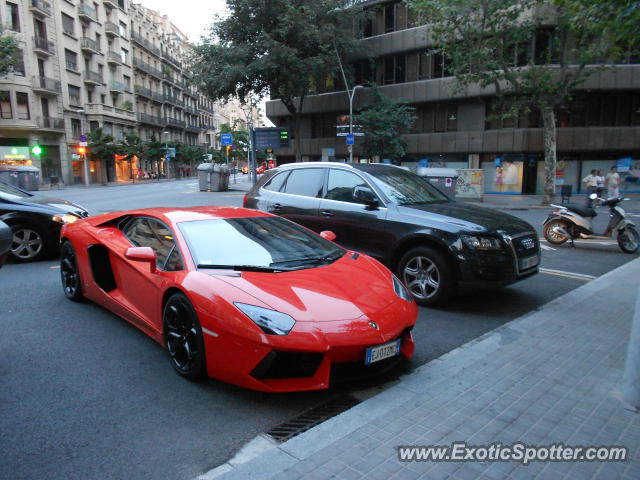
pixel 432 243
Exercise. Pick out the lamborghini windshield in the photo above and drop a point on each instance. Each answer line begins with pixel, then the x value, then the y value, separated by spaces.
pixel 257 244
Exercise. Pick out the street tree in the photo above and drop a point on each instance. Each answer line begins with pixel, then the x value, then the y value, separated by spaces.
pixel 278 47
pixel 101 148
pixel 383 121
pixel 8 52
pixel 153 149
pixel 132 146
pixel 489 44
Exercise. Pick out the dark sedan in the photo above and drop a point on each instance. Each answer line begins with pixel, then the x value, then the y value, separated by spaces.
pixel 433 244
pixel 5 242
pixel 35 222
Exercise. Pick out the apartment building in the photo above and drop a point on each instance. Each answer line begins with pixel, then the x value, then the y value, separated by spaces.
pixel 109 64
pixel 598 128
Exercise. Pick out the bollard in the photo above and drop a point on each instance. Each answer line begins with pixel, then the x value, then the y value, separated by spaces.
pixel 631 380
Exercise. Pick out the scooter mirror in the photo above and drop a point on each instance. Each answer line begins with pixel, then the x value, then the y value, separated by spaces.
pixel 593 196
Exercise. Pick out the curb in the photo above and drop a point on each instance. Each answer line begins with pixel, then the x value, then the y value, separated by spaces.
pixel 281 457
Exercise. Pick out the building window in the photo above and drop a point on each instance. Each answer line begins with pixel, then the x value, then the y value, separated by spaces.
pixel 5 104
pixel 124 53
pixel 68 24
pixel 13 18
pixel 18 64
pixel 394 69
pixel 123 29
pixel 76 128
pixel 127 82
pixel 22 103
pixel 389 18
pixel 74 95
pixel 71 60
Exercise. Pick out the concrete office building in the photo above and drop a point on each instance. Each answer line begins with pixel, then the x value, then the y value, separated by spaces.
pixel 600 126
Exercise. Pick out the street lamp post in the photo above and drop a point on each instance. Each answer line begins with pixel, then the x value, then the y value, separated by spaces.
pixel 351 95
pixel 166 153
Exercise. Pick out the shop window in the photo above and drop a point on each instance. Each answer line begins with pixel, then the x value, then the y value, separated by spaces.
pixel 22 104
pixel 5 105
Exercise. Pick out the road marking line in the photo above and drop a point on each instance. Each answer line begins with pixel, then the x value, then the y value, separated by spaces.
pixel 547 247
pixel 587 241
pixel 55 266
pixel 562 273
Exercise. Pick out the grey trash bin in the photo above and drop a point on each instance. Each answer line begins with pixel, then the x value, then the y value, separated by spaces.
pixel 9 174
pixel 28 177
pixel 444 179
pixel 205 171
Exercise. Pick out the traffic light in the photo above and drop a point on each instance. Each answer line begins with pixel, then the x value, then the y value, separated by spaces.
pixel 36 149
pixel 284 138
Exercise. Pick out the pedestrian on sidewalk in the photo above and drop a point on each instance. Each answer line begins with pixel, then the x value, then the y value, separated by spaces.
pixel 613 183
pixel 600 183
pixel 591 183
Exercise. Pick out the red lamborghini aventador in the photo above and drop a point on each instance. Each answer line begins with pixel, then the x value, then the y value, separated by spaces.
pixel 240 295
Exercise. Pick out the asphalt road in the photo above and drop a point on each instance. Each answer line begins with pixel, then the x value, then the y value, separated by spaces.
pixel 86 395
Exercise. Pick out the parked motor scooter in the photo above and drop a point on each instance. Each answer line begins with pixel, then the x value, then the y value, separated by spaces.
pixel 569 222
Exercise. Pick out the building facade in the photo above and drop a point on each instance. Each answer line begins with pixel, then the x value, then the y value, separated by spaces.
pixel 598 128
pixel 109 64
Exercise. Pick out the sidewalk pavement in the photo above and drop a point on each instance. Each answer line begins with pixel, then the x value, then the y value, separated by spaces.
pixel 520 202
pixel 553 375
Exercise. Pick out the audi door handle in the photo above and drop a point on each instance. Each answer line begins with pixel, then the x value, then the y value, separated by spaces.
pixel 276 206
pixel 326 213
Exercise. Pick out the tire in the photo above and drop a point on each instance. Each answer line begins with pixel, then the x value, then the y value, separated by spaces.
pixel 629 240
pixel 553 237
pixel 29 244
pixel 70 273
pixel 428 275
pixel 183 337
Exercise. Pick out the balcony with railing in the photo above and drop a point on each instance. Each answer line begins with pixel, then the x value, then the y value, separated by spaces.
pixel 102 109
pixel 50 123
pixel 46 86
pixel 193 128
pixel 111 29
pixel 205 108
pixel 43 46
pixel 191 109
pixel 144 43
pixel 110 4
pixel 143 91
pixel 85 12
pixel 151 119
pixel 175 122
pixel 145 67
pixel 89 45
pixel 171 59
pixel 93 78
pixel 114 57
pixel 116 86
pixel 173 100
pixel 40 7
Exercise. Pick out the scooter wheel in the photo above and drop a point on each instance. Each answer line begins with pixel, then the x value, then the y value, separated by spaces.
pixel 552 232
pixel 629 240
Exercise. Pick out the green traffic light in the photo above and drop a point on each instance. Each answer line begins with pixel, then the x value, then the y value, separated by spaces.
pixel 36 150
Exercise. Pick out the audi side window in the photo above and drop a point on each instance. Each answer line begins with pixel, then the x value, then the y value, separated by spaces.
pixel 275 184
pixel 306 182
pixel 341 184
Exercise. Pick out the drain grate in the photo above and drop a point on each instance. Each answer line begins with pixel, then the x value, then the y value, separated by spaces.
pixel 312 417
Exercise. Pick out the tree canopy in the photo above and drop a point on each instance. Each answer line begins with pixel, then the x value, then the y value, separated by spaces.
pixel 278 47
pixel 384 121
pixel 530 53
pixel 8 52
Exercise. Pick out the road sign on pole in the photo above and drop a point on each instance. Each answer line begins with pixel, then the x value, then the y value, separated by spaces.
pixel 350 138
pixel 271 137
pixel 226 139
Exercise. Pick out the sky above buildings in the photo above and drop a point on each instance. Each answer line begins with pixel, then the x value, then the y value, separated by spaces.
pixel 192 17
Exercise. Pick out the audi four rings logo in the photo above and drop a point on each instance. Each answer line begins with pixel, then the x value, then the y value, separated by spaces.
pixel 374 325
pixel 528 243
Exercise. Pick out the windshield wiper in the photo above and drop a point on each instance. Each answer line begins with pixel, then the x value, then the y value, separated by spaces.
pixel 309 260
pixel 241 268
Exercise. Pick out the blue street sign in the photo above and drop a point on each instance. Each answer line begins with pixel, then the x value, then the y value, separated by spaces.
pixel 226 139
pixel 82 138
pixel 350 138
